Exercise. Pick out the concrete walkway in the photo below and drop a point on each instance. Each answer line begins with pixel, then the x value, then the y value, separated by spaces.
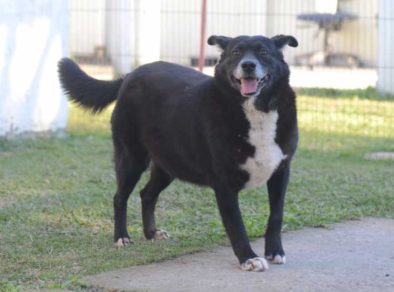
pixel 353 256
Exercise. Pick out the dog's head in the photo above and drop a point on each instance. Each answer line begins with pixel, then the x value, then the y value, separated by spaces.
pixel 252 64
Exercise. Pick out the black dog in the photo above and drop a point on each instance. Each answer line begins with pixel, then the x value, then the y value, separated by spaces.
pixel 230 132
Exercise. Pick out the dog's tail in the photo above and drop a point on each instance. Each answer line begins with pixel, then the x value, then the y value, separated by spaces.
pixel 84 90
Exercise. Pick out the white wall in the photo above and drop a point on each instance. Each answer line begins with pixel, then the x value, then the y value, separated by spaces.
pixel 87 25
pixel 174 26
pixel 360 37
pixel 120 33
pixel 180 25
pixel 148 32
pixel 386 47
pixel 357 37
pixel 282 19
pixel 33 37
pixel 132 33
pixel 141 31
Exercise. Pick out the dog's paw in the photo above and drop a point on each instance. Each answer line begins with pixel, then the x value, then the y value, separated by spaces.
pixel 256 264
pixel 161 235
pixel 123 241
pixel 277 259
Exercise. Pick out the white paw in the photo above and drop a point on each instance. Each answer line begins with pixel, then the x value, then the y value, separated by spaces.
pixel 278 259
pixel 257 264
pixel 123 241
pixel 161 235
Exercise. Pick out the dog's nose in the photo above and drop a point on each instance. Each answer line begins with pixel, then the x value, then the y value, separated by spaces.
pixel 248 66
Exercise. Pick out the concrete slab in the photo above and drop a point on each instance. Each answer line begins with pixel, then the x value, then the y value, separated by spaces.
pixel 352 256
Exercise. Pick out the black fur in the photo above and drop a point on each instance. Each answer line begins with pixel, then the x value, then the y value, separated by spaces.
pixel 88 92
pixel 192 127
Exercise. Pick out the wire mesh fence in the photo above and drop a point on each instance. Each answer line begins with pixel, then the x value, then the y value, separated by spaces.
pixel 342 70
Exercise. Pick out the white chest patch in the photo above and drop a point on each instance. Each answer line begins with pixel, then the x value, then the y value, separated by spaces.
pixel 268 154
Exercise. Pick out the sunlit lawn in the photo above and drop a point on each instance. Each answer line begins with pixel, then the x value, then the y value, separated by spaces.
pixel 56 194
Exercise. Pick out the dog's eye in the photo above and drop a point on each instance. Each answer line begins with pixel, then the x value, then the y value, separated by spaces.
pixel 263 52
pixel 236 52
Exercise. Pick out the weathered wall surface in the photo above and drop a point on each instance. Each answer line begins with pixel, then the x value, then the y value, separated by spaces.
pixel 33 37
pixel 386 47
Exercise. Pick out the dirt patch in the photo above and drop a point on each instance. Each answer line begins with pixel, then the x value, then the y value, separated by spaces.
pixel 3 202
pixel 6 153
pixel 380 155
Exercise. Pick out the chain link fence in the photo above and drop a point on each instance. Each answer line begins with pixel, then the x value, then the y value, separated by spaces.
pixel 342 70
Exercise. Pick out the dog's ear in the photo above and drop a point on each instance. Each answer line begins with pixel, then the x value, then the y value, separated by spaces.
pixel 281 40
pixel 220 41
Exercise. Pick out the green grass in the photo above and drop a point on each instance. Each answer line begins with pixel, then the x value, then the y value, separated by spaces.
pixel 56 195
pixel 368 93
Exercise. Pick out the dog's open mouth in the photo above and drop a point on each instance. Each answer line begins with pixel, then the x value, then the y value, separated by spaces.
pixel 250 85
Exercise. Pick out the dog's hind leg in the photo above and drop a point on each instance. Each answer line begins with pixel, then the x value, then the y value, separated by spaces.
pixel 128 171
pixel 159 180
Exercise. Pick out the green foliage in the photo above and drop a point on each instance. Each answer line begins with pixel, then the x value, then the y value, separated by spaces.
pixel 8 287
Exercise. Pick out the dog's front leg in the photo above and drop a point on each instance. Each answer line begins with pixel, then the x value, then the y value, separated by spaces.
pixel 277 186
pixel 227 201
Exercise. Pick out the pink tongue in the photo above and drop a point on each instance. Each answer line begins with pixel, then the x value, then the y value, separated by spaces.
pixel 248 86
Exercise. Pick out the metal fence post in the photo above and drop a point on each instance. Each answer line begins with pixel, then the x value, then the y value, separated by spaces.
pixel 201 59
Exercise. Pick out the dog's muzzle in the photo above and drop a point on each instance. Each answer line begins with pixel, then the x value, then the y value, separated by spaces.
pixel 250 77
